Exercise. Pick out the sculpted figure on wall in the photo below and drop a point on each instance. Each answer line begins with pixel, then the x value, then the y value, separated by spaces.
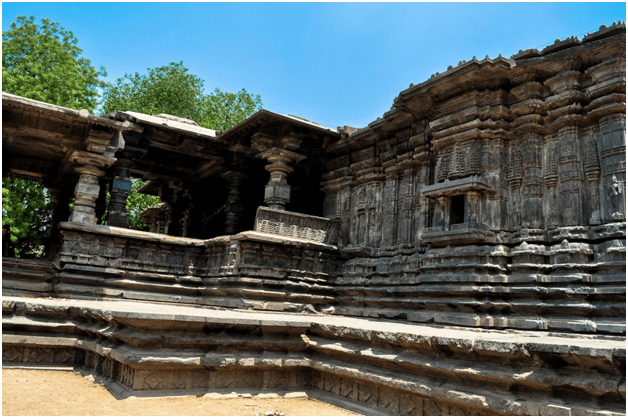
pixel 615 191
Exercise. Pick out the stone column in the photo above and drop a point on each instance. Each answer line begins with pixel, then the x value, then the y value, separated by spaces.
pixel 87 189
pixel 551 182
pixel 570 176
pixel 514 183
pixel 565 112
pixel 441 216
pixel 472 207
pixel 121 186
pixel 234 208
pixel 277 192
pixel 278 153
pixel 592 174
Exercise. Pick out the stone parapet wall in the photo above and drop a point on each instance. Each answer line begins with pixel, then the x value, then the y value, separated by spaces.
pixel 398 368
pixel 247 270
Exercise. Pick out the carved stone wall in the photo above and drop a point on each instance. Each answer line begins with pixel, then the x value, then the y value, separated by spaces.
pixel 486 172
pixel 296 225
pixel 247 270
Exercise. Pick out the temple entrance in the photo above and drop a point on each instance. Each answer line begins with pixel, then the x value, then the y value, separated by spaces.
pixel 456 215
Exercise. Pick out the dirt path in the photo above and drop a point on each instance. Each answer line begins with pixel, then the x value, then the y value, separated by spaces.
pixel 43 392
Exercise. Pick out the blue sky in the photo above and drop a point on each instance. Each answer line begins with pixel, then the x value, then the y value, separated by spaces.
pixel 332 63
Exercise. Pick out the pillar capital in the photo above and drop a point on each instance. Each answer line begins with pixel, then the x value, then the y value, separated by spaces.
pixel 277 192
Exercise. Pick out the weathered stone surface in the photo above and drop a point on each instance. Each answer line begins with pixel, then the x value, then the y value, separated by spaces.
pixel 467 249
pixel 386 365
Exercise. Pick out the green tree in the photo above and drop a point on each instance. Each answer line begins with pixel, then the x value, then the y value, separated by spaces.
pixel 136 203
pixel 222 110
pixel 42 62
pixel 171 89
pixel 27 214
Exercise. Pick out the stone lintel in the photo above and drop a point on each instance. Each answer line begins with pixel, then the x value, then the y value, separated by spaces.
pixel 454 187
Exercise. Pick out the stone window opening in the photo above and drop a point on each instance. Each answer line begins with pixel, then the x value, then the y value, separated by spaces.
pixel 456 213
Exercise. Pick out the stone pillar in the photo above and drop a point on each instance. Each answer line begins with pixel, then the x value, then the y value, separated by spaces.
pixel 278 153
pixel 551 182
pixel 441 216
pixel 472 207
pixel 121 186
pixel 234 208
pixel 514 183
pixel 565 113
pixel 592 174
pixel 87 189
pixel 570 176
pixel 277 192
pixel 532 181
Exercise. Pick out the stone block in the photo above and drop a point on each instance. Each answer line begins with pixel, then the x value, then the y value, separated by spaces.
pixel 348 388
pixel 435 408
pixel 368 393
pixel 249 378
pixel 410 404
pixel 389 399
pixel 224 378
pixel 276 378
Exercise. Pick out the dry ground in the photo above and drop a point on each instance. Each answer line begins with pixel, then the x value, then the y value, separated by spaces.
pixel 45 392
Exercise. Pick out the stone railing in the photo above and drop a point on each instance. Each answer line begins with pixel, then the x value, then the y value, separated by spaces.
pixel 246 270
pixel 432 230
pixel 296 225
pixel 468 225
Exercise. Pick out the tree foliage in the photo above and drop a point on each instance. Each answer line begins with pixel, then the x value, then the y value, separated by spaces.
pixel 42 62
pixel 222 110
pixel 136 203
pixel 171 89
pixel 27 213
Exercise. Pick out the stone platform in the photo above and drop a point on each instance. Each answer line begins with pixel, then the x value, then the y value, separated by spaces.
pixel 396 367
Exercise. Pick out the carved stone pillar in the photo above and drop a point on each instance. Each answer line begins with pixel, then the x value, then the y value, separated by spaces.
pixel 570 176
pixel 277 153
pixel 234 208
pixel 472 207
pixel 551 182
pixel 592 174
pixel 277 192
pixel 514 182
pixel 121 186
pixel 441 216
pixel 87 189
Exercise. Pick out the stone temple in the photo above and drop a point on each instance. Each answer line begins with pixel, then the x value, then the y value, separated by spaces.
pixel 464 254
